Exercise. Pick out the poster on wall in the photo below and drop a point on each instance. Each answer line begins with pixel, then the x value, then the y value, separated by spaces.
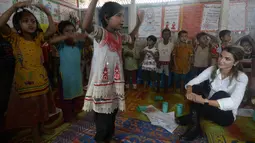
pixel 211 17
pixel 5 5
pixel 73 12
pixel 171 18
pixel 65 12
pixel 192 18
pixel 251 18
pixel 237 16
pixel 71 2
pixel 53 8
pixel 152 22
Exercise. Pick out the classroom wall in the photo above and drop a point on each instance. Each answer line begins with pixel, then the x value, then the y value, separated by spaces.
pixel 60 9
pixel 250 21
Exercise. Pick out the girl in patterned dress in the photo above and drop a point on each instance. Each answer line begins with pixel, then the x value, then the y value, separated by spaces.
pixel 150 62
pixel 29 101
pixel 105 93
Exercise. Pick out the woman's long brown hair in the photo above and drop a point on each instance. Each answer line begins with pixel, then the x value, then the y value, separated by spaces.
pixel 238 55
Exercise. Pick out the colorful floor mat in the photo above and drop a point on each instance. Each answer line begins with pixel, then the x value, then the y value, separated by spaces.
pixel 147 97
pixel 131 126
pixel 128 130
pixel 242 131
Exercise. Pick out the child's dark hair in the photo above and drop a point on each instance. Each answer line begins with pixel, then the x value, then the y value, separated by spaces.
pixel 166 30
pixel 152 37
pixel 16 22
pixel 63 24
pixel 201 34
pixel 108 10
pixel 182 32
pixel 223 33
pixel 245 39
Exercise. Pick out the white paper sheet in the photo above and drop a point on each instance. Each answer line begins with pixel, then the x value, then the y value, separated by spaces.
pixel 245 112
pixel 158 118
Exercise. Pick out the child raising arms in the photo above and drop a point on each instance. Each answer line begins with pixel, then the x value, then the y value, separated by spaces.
pixel 69 50
pixel 105 94
pixel 31 80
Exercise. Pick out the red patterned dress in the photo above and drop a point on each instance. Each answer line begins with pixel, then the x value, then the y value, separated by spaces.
pixel 105 91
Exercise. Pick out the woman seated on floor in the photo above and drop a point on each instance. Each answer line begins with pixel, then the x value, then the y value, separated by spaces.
pixel 219 101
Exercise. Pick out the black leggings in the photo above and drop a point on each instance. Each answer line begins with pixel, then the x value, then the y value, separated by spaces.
pixel 220 117
pixel 105 126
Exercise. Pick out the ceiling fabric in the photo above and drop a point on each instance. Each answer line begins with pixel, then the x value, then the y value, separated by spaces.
pixel 85 3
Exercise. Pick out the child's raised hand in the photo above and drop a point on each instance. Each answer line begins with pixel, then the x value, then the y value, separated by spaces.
pixel 22 4
pixel 140 16
pixel 42 8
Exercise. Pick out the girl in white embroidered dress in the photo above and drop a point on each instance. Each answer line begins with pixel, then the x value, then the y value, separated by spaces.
pixel 105 94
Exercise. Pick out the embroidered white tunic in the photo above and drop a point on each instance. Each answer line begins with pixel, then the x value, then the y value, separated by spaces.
pixel 105 90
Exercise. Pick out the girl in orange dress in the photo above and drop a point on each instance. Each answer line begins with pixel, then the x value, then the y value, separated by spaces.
pixel 29 102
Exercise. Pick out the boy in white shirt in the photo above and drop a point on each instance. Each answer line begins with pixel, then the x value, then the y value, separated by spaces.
pixel 165 48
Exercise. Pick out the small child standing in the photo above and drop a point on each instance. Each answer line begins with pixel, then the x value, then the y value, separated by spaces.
pixel 105 93
pixel 182 55
pixel 202 55
pixel 225 37
pixel 71 87
pixel 150 61
pixel 165 48
pixel 130 64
